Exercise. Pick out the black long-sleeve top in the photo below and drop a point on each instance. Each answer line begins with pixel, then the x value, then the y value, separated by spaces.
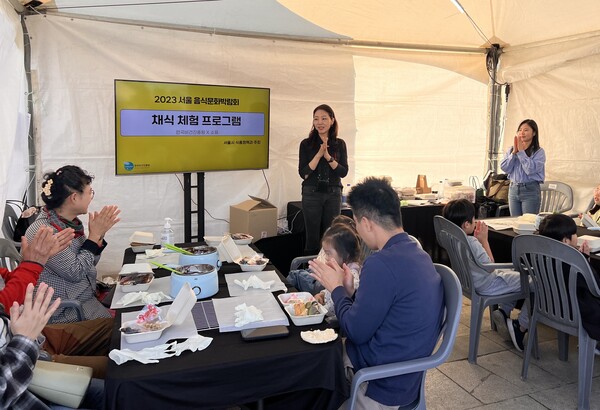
pixel 307 152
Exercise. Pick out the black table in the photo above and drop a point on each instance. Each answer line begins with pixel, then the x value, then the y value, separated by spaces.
pixel 231 371
pixel 417 220
pixel 501 246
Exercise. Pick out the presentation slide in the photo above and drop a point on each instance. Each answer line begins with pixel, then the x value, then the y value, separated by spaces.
pixel 175 127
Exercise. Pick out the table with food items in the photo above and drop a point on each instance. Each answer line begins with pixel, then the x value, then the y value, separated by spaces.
pixel 216 326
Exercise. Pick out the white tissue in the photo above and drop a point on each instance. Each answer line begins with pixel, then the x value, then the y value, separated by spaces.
pixel 147 298
pixel 145 356
pixel 154 354
pixel 254 282
pixel 247 314
pixel 153 253
pixel 193 344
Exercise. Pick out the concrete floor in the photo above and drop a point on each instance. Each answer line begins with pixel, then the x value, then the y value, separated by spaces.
pixel 495 381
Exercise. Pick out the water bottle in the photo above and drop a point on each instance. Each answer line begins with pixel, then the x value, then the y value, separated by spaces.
pixel 345 192
pixel 166 235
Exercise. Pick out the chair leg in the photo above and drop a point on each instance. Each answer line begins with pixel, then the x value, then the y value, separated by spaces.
pixel 585 369
pixel 492 308
pixel 476 316
pixel 563 346
pixel 531 341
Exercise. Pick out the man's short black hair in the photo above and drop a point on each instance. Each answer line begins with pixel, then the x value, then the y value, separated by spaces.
pixel 459 211
pixel 375 199
pixel 557 226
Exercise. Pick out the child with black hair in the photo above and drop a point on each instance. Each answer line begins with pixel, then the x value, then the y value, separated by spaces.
pixel 461 212
pixel 340 243
pixel 563 228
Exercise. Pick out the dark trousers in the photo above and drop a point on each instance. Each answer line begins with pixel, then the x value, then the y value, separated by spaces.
pixel 319 209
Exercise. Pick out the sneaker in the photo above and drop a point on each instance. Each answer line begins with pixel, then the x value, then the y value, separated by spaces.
pixel 516 334
pixel 499 319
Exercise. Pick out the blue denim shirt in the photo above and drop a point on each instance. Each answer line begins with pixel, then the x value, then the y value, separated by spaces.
pixel 521 168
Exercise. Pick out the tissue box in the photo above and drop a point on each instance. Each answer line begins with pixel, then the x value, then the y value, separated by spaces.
pixel 254 216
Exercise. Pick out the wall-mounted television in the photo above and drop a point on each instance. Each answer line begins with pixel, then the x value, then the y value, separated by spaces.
pixel 175 127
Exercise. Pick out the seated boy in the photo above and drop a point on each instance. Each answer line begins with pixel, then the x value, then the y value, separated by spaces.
pixel 462 213
pixel 563 228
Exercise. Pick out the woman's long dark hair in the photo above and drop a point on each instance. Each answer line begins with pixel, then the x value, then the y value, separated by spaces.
pixel 313 136
pixel 535 142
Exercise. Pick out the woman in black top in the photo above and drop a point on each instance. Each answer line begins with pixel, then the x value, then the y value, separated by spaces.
pixel 323 163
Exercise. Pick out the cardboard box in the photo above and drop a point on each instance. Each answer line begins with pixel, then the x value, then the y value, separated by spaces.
pixel 254 216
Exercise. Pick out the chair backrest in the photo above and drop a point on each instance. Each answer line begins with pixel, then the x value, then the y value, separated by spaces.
pixel 454 240
pixel 453 303
pixel 556 197
pixel 554 267
pixel 9 255
pixel 9 222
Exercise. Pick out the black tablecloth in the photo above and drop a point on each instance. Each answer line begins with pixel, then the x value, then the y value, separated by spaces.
pixel 231 371
pixel 416 220
pixel 501 245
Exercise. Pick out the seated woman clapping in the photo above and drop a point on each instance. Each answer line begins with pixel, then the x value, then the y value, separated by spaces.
pixel 67 194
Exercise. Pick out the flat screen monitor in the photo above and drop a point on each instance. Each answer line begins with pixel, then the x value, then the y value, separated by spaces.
pixel 174 127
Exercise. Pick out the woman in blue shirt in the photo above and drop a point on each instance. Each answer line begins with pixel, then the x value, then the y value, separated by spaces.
pixel 525 165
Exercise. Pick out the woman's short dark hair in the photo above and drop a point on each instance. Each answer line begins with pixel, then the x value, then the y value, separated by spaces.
pixel 557 226
pixel 535 142
pixel 374 198
pixel 459 211
pixel 58 185
pixel 313 136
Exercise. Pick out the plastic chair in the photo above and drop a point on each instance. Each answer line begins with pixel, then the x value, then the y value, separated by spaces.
pixel 554 267
pixel 453 301
pixel 556 197
pixel 9 223
pixel 10 259
pixel 9 255
pixel 454 240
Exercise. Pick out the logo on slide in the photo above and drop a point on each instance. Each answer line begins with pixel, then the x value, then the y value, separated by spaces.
pixel 128 165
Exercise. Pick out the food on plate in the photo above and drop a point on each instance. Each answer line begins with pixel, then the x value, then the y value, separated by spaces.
pixel 202 250
pixel 240 236
pixel 135 278
pixel 306 309
pixel 128 330
pixel 254 260
pixel 149 318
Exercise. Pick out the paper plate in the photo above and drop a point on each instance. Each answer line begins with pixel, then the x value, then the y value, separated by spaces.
pixel 316 337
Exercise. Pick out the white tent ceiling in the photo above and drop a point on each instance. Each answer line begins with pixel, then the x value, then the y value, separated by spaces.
pixel 403 110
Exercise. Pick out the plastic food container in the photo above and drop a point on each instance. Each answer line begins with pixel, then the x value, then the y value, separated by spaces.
pixel 179 309
pixel 213 240
pixel 291 298
pixel 135 281
pixel 135 277
pixel 249 264
pixel 140 241
pixel 305 320
pixel 241 238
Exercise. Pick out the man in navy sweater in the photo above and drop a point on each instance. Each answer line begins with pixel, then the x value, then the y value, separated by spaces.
pixel 397 311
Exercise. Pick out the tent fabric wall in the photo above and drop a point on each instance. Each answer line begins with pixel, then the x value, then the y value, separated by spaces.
pixel 14 119
pixel 558 85
pixel 75 61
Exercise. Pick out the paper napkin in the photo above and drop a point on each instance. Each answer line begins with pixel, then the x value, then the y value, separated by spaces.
pixel 153 298
pixel 154 354
pixel 254 282
pixel 246 314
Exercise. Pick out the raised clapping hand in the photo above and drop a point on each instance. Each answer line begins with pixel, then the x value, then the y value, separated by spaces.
pixel 331 275
pixel 101 222
pixel 481 231
pixel 45 244
pixel 585 248
pixel 30 321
